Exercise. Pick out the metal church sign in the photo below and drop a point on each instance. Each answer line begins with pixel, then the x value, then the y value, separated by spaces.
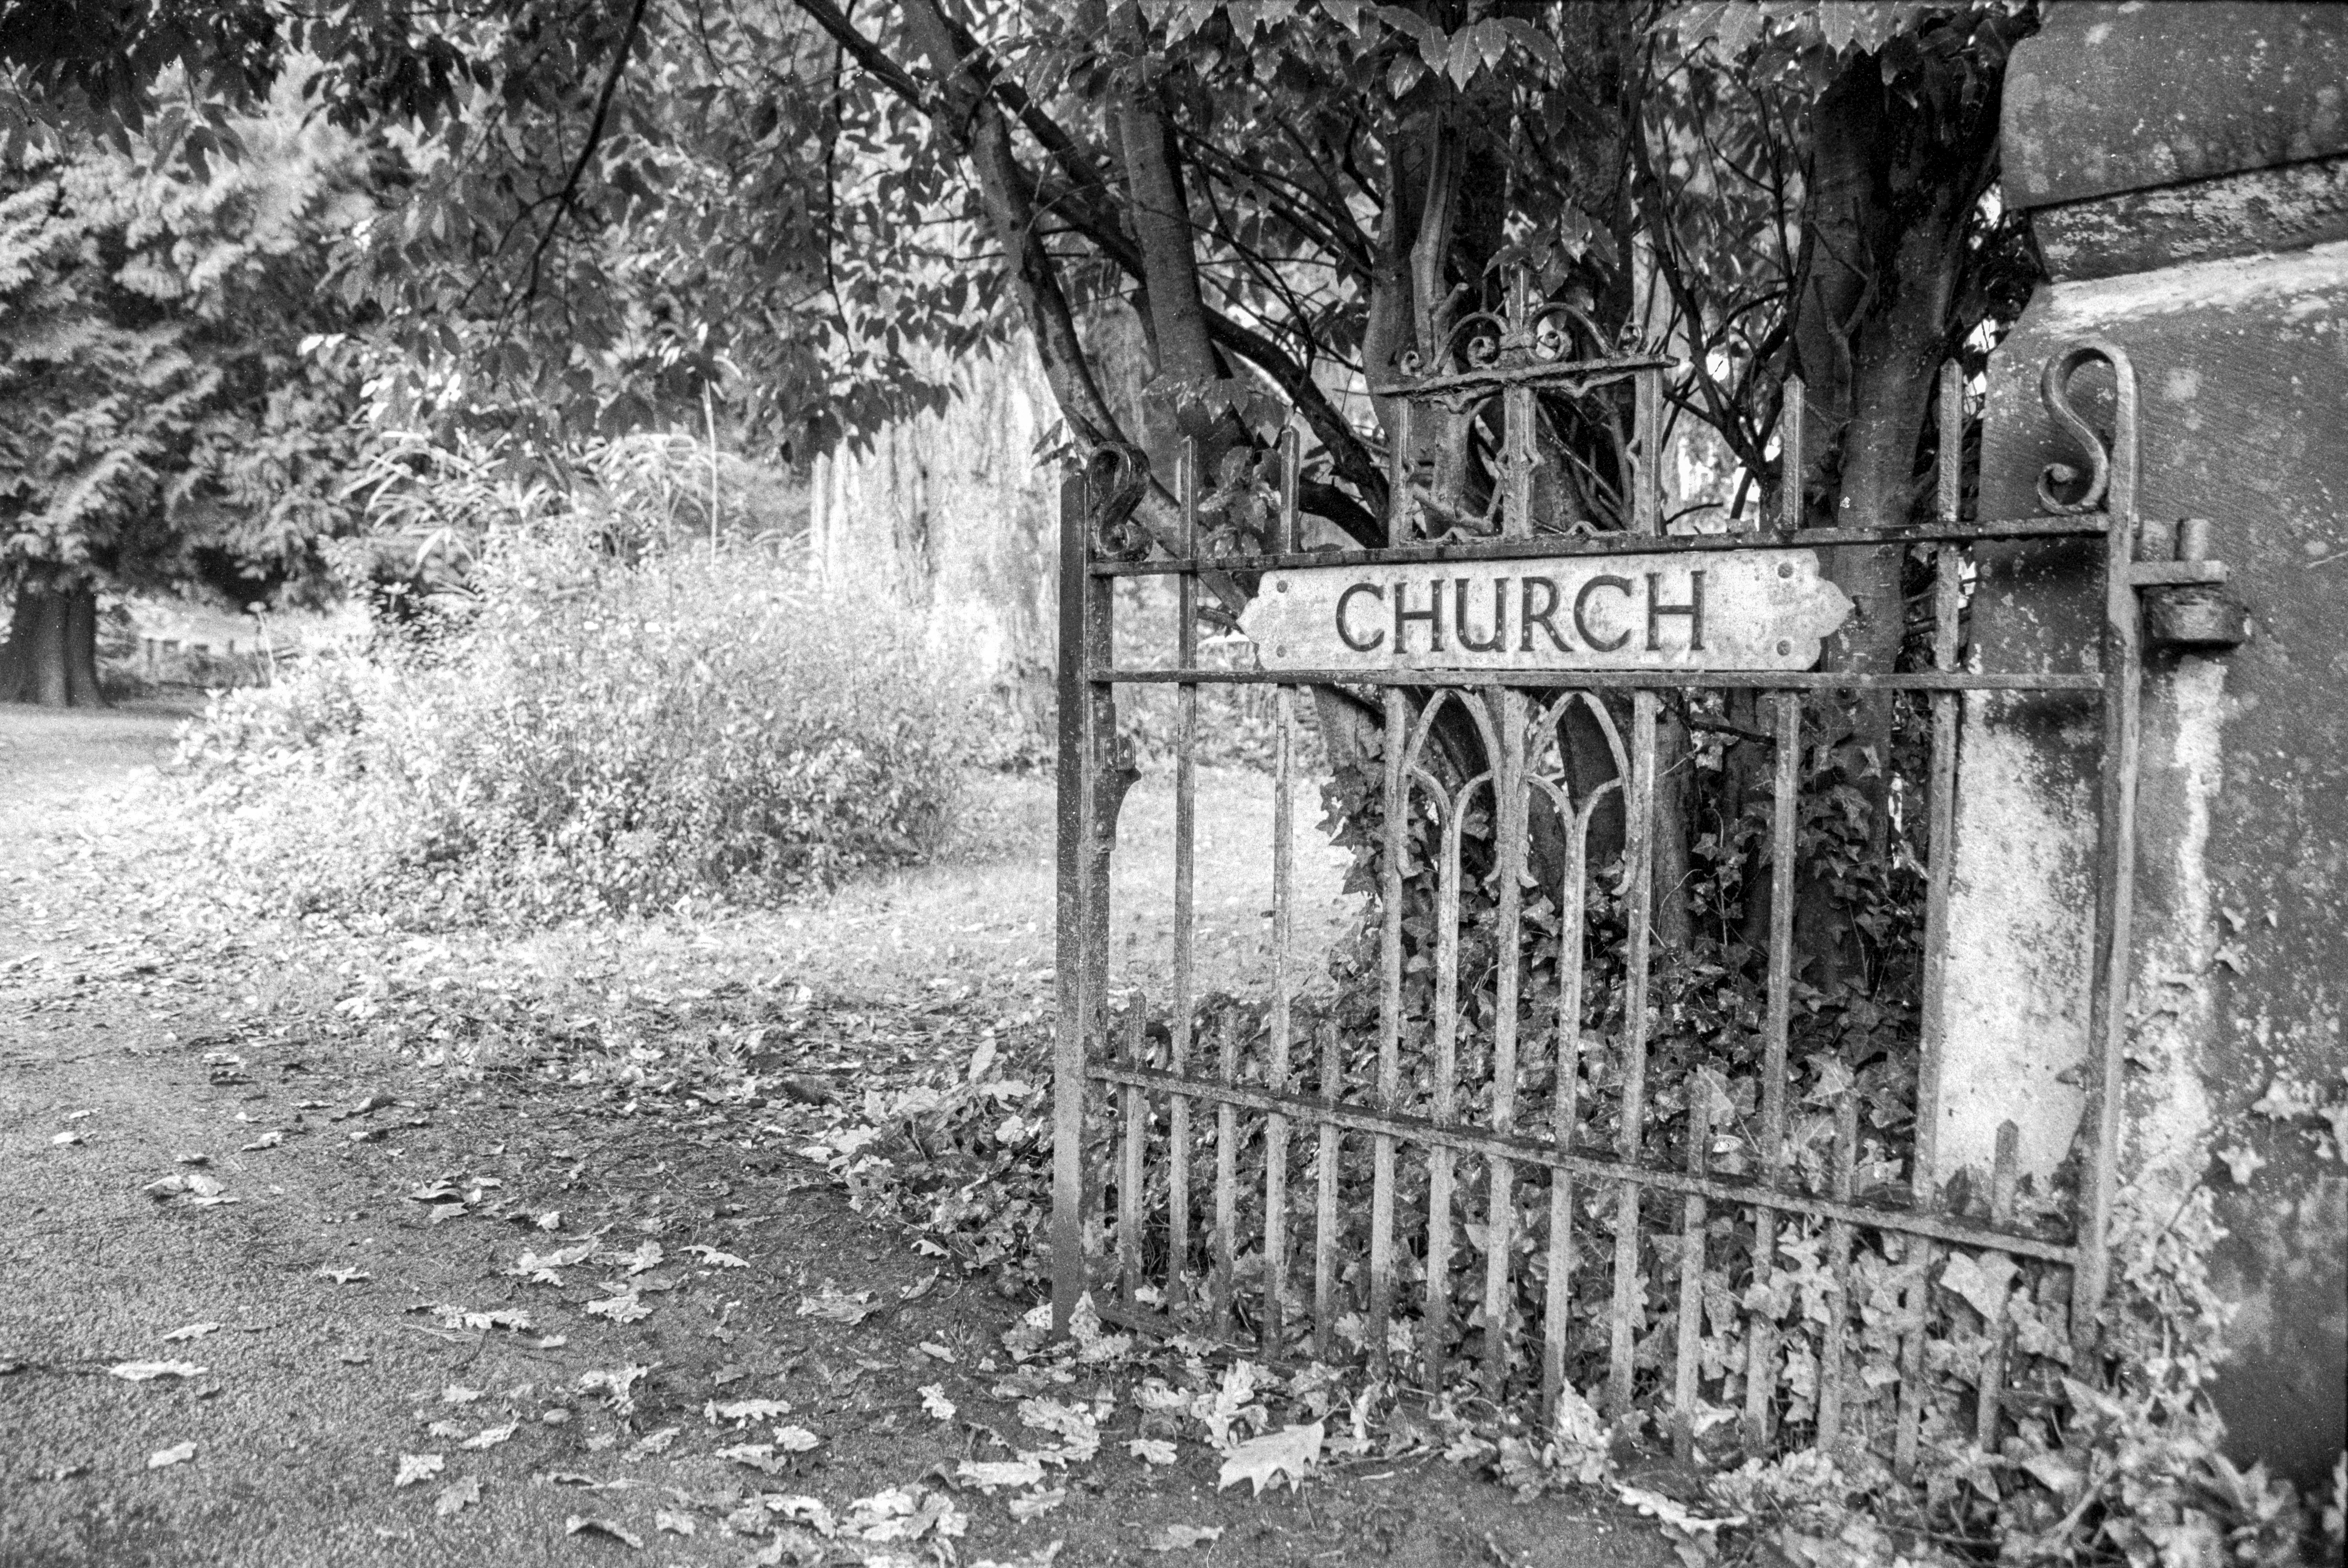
pixel 1747 610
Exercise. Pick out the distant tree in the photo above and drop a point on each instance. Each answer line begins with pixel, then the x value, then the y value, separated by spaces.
pixel 161 423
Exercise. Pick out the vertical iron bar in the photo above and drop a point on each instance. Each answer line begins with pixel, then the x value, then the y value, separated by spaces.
pixel 2003 1177
pixel 1445 1107
pixel 2115 852
pixel 1838 1237
pixel 1283 892
pixel 1226 1178
pixel 1687 1365
pixel 1325 1219
pixel 1558 1305
pixel 1784 826
pixel 1638 844
pixel 1130 1168
pixel 1073 784
pixel 1499 1216
pixel 1186 832
pixel 1924 1180
pixel 1793 408
pixel 1382 1146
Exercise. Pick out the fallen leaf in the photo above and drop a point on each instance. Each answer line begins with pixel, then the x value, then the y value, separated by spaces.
pixel 370 1104
pixel 1670 1512
pixel 178 1454
pixel 577 1525
pixel 616 1381
pixel 920 1287
pixel 1151 1451
pixel 834 1306
pixel 795 1439
pixel 759 1456
pixel 673 1523
pixel 344 1276
pixel 458 1394
pixel 654 1442
pixel 751 1410
pixel 934 1401
pixel 61 1139
pixel 141 1371
pixel 550 1221
pixel 193 1159
pixel 988 1474
pixel 1182 1537
pixel 713 1258
pixel 414 1468
pixel 625 1308
pixel 269 1140
pixel 491 1437
pixel 1263 1461
pixel 457 1496
pixel 192 1331
pixel 937 1352
pixel 1029 1505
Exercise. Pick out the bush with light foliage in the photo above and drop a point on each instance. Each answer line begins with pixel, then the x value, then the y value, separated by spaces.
pixel 598 737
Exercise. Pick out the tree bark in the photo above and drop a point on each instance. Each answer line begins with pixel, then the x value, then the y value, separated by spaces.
pixel 51 655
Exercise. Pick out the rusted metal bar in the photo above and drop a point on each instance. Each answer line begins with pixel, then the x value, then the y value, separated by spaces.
pixel 1784 825
pixel 1629 1307
pixel 1500 1210
pixel 1186 834
pixel 1403 1128
pixel 1227 1176
pixel 1924 1180
pixel 1832 1338
pixel 1074 840
pixel 2122 660
pixel 1991 1392
pixel 1687 1364
pixel 1325 1217
pixel 1547 547
pixel 1284 896
pixel 1576 373
pixel 1129 1166
pixel 1621 679
pixel 1436 1324
pixel 1558 1305
pixel 1382 1150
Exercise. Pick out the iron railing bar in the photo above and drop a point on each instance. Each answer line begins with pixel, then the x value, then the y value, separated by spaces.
pixel 1074 824
pixel 1688 1354
pixel 1403 1128
pixel 1382 1151
pixel 1227 1177
pixel 1444 1103
pixel 1832 1338
pixel 2122 651
pixel 1528 373
pixel 1129 1167
pixel 1500 1209
pixel 1572 898
pixel 1615 679
pixel 1546 546
pixel 1283 892
pixel 1186 833
pixel 1325 1219
pixel 1990 1393
pixel 1784 825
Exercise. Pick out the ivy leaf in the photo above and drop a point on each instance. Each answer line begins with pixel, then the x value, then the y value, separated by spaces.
pixel 1261 1461
pixel 1980 1280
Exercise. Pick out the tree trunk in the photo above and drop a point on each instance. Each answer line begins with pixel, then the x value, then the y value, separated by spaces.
pixel 51 654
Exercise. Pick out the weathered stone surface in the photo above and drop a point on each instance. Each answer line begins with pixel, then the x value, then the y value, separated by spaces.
pixel 2286 209
pixel 2115 97
pixel 2240 952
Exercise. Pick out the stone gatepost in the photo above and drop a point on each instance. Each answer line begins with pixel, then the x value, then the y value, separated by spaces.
pixel 2185 167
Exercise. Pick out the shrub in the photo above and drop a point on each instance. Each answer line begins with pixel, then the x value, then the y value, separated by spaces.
pixel 599 738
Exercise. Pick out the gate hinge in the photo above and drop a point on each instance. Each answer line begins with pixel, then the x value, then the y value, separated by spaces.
pixel 2186 601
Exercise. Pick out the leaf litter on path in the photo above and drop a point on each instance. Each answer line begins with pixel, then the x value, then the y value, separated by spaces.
pixel 145 1371
pixel 192 1331
pixel 1264 1461
pixel 457 1496
pixel 414 1468
pixel 178 1453
pixel 1182 1537
pixel 579 1524
pixel 835 1306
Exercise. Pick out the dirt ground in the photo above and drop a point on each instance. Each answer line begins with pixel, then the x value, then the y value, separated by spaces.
pixel 360 1368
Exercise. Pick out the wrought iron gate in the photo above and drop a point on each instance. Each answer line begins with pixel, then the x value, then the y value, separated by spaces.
pixel 1149 1220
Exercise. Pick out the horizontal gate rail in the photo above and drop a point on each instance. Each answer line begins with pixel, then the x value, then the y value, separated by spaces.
pixel 1609 679
pixel 1426 1134
pixel 1426 1117
pixel 1544 546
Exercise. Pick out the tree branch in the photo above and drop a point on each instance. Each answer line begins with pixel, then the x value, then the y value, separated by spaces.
pixel 568 195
